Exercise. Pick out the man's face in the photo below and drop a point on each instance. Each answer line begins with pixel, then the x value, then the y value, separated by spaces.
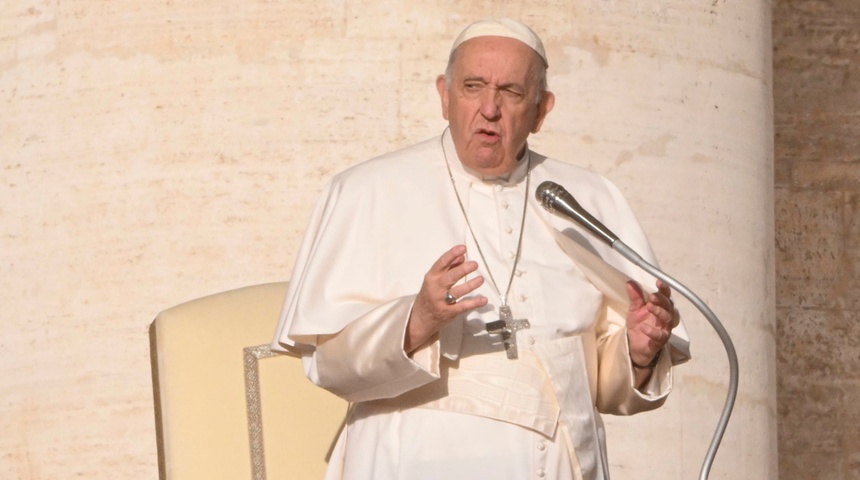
pixel 491 103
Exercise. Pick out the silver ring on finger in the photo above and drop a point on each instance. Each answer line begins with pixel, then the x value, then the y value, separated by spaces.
pixel 450 299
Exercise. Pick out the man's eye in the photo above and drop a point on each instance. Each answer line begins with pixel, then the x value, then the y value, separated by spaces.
pixel 512 93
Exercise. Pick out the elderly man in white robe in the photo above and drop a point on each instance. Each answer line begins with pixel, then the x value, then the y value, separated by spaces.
pixel 476 335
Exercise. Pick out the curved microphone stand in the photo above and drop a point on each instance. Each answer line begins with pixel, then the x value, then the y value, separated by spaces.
pixel 557 200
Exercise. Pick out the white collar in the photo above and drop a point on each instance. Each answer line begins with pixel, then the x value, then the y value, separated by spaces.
pixel 457 167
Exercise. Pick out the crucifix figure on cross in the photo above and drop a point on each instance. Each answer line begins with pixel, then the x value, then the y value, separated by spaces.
pixel 508 328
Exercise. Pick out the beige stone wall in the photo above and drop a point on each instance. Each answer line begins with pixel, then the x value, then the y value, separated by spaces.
pixel 817 99
pixel 154 152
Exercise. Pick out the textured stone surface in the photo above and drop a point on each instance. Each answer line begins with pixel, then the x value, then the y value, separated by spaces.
pixel 811 247
pixel 151 153
pixel 817 131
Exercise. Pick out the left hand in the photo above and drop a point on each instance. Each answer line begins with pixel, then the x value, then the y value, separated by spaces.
pixel 650 320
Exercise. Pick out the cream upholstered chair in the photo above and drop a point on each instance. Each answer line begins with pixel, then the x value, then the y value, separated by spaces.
pixel 227 407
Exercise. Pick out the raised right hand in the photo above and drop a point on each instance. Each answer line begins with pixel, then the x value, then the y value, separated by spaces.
pixel 431 312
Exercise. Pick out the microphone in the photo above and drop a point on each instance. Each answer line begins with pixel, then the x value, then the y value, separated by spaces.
pixel 559 201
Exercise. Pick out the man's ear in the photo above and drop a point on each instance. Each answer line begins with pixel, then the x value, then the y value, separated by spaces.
pixel 443 95
pixel 547 101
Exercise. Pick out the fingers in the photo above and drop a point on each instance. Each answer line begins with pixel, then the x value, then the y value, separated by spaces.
pixel 653 315
pixel 658 304
pixel 668 304
pixel 635 294
pixel 657 334
pixel 650 319
pixel 445 274
pixel 663 314
pixel 657 327
pixel 664 289
pixel 443 295
pixel 662 306
pixel 451 267
pixel 458 291
pixel 452 258
pixel 464 303
pixel 645 342
pixel 431 310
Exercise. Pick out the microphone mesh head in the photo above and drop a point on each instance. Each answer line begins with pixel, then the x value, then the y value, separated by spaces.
pixel 547 194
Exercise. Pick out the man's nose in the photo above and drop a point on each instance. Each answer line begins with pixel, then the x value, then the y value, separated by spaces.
pixel 490 104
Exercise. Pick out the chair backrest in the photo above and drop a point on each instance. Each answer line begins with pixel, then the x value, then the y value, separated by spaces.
pixel 227 407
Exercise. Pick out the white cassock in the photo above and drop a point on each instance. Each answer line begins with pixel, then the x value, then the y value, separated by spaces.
pixel 458 408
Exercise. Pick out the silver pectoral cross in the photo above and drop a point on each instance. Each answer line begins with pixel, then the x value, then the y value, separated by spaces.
pixel 508 328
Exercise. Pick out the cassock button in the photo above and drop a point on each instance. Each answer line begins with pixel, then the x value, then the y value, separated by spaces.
pixel 511 255
pixel 505 205
pixel 532 341
pixel 519 273
pixel 541 445
pixel 508 229
pixel 541 473
pixel 523 298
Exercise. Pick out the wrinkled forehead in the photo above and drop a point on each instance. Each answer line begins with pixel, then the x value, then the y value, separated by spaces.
pixel 496 59
pixel 502 27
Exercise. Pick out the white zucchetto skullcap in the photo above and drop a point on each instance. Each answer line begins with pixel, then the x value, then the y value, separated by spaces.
pixel 503 27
